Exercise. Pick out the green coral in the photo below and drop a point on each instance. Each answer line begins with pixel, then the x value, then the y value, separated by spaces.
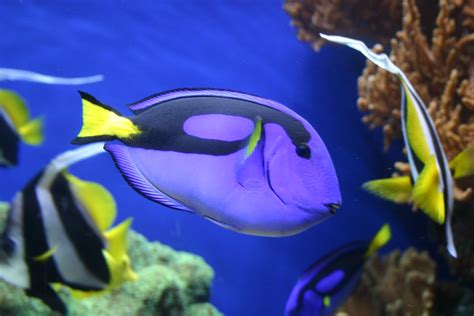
pixel 169 283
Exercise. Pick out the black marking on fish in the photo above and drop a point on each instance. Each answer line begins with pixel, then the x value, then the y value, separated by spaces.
pixel 162 125
pixel 9 140
pixel 84 237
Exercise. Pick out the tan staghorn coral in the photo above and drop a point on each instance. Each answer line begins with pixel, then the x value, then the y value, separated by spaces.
pixel 374 19
pixel 395 285
pixel 441 70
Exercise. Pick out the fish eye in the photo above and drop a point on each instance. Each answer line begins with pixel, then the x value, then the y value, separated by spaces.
pixel 303 150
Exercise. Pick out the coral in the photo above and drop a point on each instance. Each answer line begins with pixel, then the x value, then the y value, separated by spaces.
pixel 375 19
pixel 169 283
pixel 397 284
pixel 441 70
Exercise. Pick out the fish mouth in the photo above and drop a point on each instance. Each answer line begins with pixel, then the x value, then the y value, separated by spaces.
pixel 333 207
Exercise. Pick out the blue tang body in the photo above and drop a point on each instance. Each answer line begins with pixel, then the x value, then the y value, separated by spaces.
pixel 246 163
pixel 329 281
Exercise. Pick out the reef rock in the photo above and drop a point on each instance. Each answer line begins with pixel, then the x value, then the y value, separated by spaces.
pixel 394 285
pixel 169 283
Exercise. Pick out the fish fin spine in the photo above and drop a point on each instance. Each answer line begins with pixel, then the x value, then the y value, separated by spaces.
pixel 381 238
pixel 32 132
pixel 398 189
pixel 100 122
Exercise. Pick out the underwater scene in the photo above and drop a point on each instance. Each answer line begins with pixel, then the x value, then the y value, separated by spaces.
pixel 208 157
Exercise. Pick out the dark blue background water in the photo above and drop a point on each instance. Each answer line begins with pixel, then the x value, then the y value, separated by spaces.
pixel 143 47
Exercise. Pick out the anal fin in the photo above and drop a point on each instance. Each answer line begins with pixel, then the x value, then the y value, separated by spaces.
pixel 135 178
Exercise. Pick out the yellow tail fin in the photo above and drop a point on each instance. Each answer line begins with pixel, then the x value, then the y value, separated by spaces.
pixel 32 132
pixel 397 189
pixel 101 122
pixel 380 239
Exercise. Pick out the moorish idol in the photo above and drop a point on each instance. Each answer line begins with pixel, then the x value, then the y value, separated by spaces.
pixel 430 184
pixel 56 234
pixel 246 163
pixel 16 126
pixel 328 282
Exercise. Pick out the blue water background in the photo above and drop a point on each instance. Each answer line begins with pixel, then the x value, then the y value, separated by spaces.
pixel 144 47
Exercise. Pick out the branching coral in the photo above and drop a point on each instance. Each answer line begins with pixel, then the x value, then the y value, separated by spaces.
pixel 375 19
pixel 397 284
pixel 441 70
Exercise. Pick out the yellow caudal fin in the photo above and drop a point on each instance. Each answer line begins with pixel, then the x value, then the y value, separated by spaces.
pixel 97 201
pixel 117 256
pixel 427 193
pixel 397 189
pixel 32 132
pixel 463 164
pixel 100 122
pixel 380 239
pixel 117 260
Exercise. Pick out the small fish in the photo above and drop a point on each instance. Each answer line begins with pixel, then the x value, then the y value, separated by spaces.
pixel 243 162
pixel 328 282
pixel 430 184
pixel 16 126
pixel 55 234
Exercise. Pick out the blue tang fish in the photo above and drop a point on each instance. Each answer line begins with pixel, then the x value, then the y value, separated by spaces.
pixel 58 232
pixel 245 163
pixel 328 282
pixel 430 184
pixel 16 126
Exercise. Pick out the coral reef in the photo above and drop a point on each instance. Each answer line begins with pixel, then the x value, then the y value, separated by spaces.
pixel 397 284
pixel 169 283
pixel 441 70
pixel 373 19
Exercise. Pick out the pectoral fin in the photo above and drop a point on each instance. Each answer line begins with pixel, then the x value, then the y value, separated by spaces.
pixel 427 193
pixel 463 164
pixel 397 189
pixel 250 169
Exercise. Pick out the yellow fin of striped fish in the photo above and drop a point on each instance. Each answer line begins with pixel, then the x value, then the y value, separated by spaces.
pixel 396 189
pixel 96 199
pixel 381 238
pixel 463 164
pixel 32 132
pixel 14 106
pixel 427 194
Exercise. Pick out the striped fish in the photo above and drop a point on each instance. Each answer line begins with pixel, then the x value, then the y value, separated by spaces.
pixel 430 185
pixel 16 126
pixel 54 232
